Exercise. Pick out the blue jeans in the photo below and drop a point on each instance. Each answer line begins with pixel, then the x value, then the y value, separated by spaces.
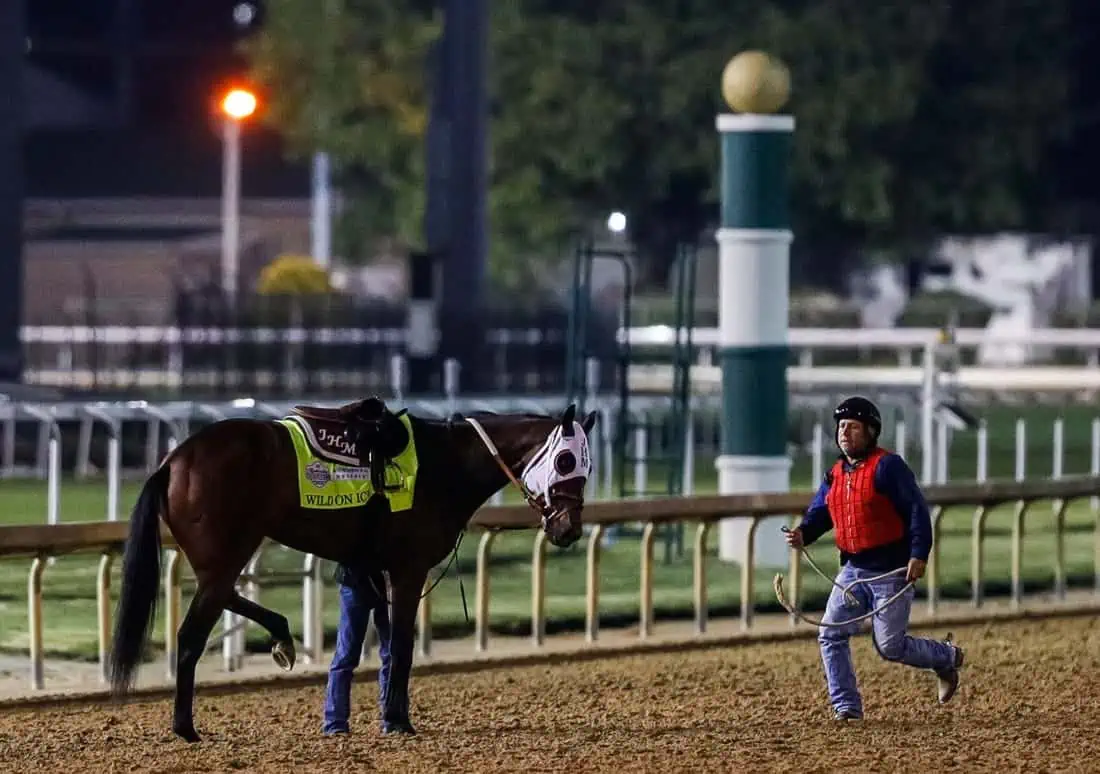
pixel 888 633
pixel 356 605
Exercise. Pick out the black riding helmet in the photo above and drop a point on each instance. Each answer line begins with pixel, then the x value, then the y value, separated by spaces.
pixel 860 409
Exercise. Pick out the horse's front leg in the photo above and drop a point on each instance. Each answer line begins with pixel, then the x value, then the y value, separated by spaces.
pixel 404 601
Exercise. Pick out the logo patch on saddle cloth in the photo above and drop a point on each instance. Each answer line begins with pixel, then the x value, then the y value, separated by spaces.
pixel 327 485
pixel 317 474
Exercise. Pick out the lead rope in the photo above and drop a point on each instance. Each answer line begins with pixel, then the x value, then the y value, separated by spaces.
pixel 849 598
pixel 442 575
pixel 526 496
pixel 454 556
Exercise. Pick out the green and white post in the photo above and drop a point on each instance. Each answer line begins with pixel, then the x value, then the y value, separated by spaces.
pixel 753 299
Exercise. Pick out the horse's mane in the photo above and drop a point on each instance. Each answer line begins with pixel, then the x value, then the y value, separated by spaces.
pixel 509 415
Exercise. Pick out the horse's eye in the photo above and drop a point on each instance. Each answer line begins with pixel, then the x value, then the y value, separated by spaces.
pixel 565 463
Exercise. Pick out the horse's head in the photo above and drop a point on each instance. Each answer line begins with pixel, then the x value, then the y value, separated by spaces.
pixel 547 458
pixel 556 476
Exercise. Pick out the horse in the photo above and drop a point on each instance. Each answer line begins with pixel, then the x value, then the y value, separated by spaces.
pixel 237 481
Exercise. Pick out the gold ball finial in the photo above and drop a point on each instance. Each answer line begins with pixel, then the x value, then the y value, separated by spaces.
pixel 755 82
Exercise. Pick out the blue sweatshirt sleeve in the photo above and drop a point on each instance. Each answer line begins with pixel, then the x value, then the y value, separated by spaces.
pixel 895 479
pixel 817 520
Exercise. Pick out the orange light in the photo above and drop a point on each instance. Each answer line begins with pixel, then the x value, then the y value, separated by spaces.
pixel 239 104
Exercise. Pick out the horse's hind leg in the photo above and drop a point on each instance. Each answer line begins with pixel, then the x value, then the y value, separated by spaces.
pixel 282 646
pixel 202 614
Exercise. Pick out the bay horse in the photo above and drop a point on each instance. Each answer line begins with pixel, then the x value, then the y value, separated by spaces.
pixel 236 481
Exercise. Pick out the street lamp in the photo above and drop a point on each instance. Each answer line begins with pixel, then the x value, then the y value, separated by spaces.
pixel 616 223
pixel 237 105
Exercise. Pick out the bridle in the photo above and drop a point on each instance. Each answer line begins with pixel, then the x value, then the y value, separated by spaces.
pixel 546 511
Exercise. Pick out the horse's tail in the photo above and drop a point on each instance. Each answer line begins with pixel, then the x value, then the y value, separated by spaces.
pixel 140 582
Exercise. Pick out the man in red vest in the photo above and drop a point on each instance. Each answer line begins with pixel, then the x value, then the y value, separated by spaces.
pixel 872 500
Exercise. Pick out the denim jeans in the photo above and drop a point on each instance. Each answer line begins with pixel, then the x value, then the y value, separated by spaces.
pixel 356 605
pixel 888 632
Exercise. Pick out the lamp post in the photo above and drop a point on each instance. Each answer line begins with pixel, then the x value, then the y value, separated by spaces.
pixel 237 105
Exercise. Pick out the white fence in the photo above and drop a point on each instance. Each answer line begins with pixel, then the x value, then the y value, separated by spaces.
pixel 906 343
pixel 153 356
pixel 60 355
pixel 168 423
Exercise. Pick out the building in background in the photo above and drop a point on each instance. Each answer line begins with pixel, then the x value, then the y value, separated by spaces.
pixel 123 159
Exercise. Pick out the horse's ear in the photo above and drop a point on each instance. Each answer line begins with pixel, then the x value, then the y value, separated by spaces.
pixel 589 422
pixel 567 420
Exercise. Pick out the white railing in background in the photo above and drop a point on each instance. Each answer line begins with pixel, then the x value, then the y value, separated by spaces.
pixel 168 423
pixel 59 355
pixel 907 343
pixel 1085 339
pixel 707 379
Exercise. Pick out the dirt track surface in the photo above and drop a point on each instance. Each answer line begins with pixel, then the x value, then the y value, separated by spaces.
pixel 1030 701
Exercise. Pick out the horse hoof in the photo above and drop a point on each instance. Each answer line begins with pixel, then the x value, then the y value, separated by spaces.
pixel 187 734
pixel 283 655
pixel 398 727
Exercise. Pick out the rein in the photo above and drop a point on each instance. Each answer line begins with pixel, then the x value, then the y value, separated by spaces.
pixel 461 589
pixel 544 512
pixel 849 598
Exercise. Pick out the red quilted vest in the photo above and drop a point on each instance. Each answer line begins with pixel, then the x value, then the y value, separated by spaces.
pixel 862 517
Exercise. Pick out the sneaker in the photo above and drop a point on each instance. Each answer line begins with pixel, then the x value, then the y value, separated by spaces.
pixel 948 679
pixel 847 715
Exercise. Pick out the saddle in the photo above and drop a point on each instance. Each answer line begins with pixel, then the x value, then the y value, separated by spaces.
pixel 363 433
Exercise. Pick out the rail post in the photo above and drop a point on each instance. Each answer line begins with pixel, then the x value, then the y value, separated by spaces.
pixel 34 619
pixel 114 455
pixel 52 429
pixel 592 585
pixel 171 611
pixel 645 614
pixel 699 576
pixel 538 589
pixel 312 624
pixel 481 615
pixel 103 609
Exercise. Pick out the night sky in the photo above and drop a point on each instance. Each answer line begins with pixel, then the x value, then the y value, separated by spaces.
pixel 185 47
